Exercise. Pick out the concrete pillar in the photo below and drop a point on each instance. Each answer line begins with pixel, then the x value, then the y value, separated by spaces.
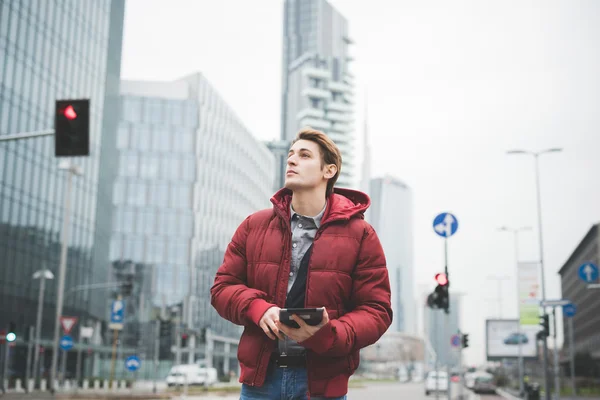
pixel 226 361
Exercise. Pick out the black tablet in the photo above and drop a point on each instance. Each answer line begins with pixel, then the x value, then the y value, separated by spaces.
pixel 312 316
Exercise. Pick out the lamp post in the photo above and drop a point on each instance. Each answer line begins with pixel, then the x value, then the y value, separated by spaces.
pixel 536 157
pixel 515 232
pixel 42 275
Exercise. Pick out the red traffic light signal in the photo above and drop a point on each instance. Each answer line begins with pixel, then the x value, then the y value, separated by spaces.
pixel 441 279
pixel 72 128
pixel 70 112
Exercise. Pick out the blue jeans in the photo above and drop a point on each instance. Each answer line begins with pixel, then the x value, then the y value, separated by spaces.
pixel 282 384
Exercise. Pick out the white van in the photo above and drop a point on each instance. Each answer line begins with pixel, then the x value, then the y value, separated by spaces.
pixel 192 374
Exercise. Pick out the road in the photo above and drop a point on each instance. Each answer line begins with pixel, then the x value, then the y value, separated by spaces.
pixel 382 391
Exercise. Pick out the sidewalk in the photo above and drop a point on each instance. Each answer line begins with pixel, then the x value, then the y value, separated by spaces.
pixel 512 395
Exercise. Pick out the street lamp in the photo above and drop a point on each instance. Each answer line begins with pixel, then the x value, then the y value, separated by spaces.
pixel 42 275
pixel 71 170
pixel 536 156
pixel 515 232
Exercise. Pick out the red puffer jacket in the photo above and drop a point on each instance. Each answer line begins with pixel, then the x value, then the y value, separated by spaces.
pixel 347 274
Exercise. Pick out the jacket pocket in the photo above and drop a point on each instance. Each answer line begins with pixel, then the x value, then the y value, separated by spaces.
pixel 250 346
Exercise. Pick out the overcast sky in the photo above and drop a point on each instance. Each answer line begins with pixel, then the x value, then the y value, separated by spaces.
pixel 451 87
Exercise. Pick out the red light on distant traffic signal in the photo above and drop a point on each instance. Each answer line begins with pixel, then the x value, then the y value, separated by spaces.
pixel 441 279
pixel 70 113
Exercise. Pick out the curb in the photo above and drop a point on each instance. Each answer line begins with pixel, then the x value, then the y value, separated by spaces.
pixel 507 395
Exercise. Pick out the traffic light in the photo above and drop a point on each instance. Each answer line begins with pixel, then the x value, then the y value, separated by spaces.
pixel 202 336
pixel 127 286
pixel 165 329
pixel 72 128
pixel 184 339
pixel 465 340
pixel 440 297
pixel 11 335
pixel 545 324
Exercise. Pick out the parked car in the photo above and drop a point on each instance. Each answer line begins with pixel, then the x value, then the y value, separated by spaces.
pixel 516 338
pixel 191 374
pixel 436 381
pixel 484 384
pixel 471 376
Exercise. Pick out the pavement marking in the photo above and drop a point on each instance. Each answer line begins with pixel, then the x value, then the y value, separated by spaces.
pixel 507 395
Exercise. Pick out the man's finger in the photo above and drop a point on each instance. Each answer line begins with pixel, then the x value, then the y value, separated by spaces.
pixel 265 329
pixel 274 329
pixel 299 321
pixel 325 316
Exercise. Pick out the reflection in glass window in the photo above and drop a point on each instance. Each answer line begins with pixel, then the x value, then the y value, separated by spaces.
pixel 119 192
pixel 128 220
pixel 145 221
pixel 142 137
pixel 136 194
pixel 132 110
pixel 123 136
pixel 188 169
pixel 148 167
pixel 115 247
pixel 161 139
pixel 155 253
pixel 128 164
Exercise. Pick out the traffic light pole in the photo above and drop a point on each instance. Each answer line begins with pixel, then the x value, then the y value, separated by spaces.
pixel 26 135
pixel 447 317
pixel 156 355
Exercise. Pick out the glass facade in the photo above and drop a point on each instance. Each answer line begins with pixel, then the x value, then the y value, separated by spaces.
pixel 391 214
pixel 189 173
pixel 52 50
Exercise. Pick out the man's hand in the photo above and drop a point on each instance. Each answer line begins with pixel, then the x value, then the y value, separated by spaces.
pixel 270 319
pixel 305 331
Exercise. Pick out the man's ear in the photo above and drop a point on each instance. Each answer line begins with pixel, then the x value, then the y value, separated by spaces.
pixel 330 171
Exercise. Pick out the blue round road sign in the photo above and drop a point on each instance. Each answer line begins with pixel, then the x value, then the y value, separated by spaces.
pixel 569 310
pixel 455 340
pixel 588 272
pixel 445 225
pixel 133 363
pixel 66 343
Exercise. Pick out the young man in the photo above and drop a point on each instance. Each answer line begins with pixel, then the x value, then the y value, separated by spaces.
pixel 312 249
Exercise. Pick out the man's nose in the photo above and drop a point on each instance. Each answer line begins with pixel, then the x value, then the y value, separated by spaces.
pixel 291 160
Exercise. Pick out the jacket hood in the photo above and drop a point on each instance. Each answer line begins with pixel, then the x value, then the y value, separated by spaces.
pixel 341 204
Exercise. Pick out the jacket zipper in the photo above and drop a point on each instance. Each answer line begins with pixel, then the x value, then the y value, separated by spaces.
pixel 283 258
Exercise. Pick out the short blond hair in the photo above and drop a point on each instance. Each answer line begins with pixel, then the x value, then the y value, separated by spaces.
pixel 330 154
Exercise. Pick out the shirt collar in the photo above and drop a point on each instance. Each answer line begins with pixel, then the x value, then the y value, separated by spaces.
pixel 317 219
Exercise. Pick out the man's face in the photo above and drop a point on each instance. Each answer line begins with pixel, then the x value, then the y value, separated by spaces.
pixel 304 167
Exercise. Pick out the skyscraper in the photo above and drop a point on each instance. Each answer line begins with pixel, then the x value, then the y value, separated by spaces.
pixel 317 85
pixel 439 328
pixel 391 214
pixel 53 50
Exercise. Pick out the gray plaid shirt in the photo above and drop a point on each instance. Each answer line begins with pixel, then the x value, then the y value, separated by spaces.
pixel 304 230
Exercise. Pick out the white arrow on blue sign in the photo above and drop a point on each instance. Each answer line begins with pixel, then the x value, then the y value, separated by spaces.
pixel 569 310
pixel 588 272
pixel 445 225
pixel 117 311
pixel 66 343
pixel 133 363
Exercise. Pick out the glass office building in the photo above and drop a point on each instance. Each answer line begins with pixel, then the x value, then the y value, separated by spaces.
pixel 391 214
pixel 53 50
pixel 189 173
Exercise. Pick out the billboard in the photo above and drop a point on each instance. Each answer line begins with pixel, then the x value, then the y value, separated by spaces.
pixel 503 338
pixel 529 290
